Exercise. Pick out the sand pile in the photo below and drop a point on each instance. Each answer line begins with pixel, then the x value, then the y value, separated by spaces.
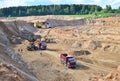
pixel 112 76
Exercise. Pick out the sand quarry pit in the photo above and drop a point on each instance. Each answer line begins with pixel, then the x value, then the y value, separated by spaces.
pixel 95 43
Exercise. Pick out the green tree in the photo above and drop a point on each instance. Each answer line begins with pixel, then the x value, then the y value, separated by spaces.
pixel 51 9
pixel 72 9
pixel 108 8
pixel 66 10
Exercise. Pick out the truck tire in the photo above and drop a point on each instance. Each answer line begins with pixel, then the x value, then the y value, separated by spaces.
pixel 36 48
pixel 61 61
pixel 67 65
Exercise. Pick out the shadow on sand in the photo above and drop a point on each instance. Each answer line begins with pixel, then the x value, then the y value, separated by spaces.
pixel 53 49
pixel 81 67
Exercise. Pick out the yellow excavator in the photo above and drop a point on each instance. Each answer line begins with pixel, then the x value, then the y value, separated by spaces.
pixel 42 25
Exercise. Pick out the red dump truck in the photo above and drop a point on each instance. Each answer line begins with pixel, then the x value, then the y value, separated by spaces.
pixel 41 45
pixel 69 61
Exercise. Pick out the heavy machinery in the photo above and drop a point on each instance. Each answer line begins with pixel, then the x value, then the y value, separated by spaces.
pixel 37 45
pixel 69 61
pixel 42 25
pixel 41 44
pixel 32 47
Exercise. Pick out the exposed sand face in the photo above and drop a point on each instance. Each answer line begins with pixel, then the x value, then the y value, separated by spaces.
pixel 13 67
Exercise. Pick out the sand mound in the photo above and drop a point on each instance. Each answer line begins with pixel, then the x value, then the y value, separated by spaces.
pixel 81 52
pixel 113 76
pixel 94 45
pixel 77 44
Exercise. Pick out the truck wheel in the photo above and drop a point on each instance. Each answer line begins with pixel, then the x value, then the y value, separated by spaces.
pixel 36 48
pixel 66 65
pixel 61 61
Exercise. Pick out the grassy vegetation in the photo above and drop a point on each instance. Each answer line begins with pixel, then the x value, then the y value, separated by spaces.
pixel 95 15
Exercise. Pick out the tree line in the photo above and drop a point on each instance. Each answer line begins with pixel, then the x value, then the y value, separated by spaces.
pixel 72 9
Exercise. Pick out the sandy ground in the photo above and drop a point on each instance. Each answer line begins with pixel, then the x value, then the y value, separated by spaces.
pixel 101 61
pixel 99 37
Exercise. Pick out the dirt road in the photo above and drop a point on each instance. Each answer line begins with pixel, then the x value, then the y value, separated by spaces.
pixel 81 67
pixel 101 41
pixel 46 65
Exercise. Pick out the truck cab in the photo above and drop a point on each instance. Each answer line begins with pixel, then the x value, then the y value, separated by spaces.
pixel 71 62
pixel 43 45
